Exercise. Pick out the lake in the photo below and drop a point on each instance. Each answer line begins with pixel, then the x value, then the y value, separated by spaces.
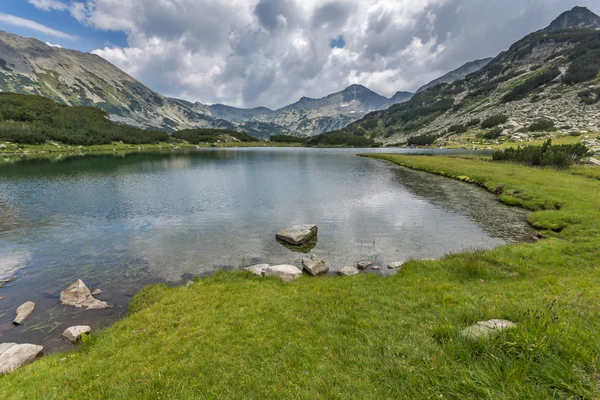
pixel 119 222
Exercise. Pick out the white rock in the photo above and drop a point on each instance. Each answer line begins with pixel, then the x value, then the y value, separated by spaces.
pixel 348 271
pixel 74 333
pixel 376 268
pixel 315 266
pixel 23 312
pixel 298 234
pixel 396 265
pixel 78 295
pixel 286 272
pixel 97 292
pixel 13 356
pixel 484 329
pixel 258 269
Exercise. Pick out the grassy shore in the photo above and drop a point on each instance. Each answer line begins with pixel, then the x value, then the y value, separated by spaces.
pixel 234 335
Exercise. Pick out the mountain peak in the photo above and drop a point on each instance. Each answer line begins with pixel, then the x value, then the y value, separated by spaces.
pixel 578 17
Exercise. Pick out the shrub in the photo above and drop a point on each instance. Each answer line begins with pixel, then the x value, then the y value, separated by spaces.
pixel 539 79
pixel 559 156
pixel 590 96
pixel 457 129
pixel 493 121
pixel 493 134
pixel 422 140
pixel 474 122
pixel 287 139
pixel 203 135
pixel 541 125
pixel 339 138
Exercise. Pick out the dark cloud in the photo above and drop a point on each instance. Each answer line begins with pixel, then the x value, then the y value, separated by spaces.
pixel 332 15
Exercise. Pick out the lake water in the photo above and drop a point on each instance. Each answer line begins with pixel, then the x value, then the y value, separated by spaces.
pixel 119 222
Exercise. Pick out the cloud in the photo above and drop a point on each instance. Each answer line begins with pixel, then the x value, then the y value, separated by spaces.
pixel 272 52
pixel 35 26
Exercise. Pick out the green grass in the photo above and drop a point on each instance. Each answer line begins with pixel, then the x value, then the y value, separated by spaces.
pixel 234 335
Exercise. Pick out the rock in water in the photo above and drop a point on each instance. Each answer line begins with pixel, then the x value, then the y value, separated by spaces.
pixel 23 312
pixel 298 234
pixel 287 273
pixel 483 329
pixel 13 356
pixel 78 295
pixel 396 265
pixel 74 333
pixel 315 266
pixel 97 292
pixel 348 271
pixel 258 269
pixel 362 265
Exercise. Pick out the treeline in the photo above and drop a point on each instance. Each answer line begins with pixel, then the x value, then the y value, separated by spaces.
pixel 204 135
pixel 339 138
pixel 559 156
pixel 287 139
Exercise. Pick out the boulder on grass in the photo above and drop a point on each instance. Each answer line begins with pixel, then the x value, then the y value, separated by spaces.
pixel 298 234
pixel 287 273
pixel 396 265
pixel 315 266
pixel 348 271
pixel 23 312
pixel 78 295
pixel 13 356
pixel 74 333
pixel 258 269
pixel 483 329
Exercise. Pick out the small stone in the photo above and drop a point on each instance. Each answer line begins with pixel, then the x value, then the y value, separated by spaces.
pixel 287 273
pixel 13 356
pixel 315 266
pixel 258 269
pixel 298 234
pixel 74 333
pixel 484 329
pixel 348 271
pixel 97 292
pixel 376 267
pixel 23 312
pixel 396 265
pixel 362 265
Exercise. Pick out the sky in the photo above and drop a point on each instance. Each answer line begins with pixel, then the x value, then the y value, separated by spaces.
pixel 250 53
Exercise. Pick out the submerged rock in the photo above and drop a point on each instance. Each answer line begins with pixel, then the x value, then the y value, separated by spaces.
pixel 298 234
pixel 362 265
pixel 5 281
pixel 315 266
pixel 287 273
pixel 376 268
pixel 13 356
pixel 258 269
pixel 396 265
pixel 348 271
pixel 97 292
pixel 78 295
pixel 484 329
pixel 74 333
pixel 23 312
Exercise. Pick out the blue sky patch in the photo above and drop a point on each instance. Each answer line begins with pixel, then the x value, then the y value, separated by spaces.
pixel 337 42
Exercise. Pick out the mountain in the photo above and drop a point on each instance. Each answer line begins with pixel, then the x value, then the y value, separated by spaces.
pixel 458 73
pixel 29 66
pixel 578 17
pixel 547 83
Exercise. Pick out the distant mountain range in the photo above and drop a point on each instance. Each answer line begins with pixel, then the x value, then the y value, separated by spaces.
pixel 30 66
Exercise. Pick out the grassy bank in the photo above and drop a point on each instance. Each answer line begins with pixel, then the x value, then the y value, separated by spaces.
pixel 234 335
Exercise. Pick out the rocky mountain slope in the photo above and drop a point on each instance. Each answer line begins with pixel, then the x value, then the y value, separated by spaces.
pixel 457 74
pixel 546 84
pixel 30 66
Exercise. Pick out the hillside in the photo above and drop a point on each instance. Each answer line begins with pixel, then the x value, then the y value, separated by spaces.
pixel 545 84
pixel 457 74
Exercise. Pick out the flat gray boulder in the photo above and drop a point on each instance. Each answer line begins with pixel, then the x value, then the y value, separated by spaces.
pixel 258 269
pixel 13 356
pixel 287 273
pixel 362 265
pixel 315 266
pixel 74 333
pixel 483 329
pixel 78 295
pixel 298 234
pixel 348 271
pixel 23 312
pixel 396 265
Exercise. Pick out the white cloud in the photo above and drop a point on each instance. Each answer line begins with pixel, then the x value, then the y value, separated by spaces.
pixel 271 52
pixel 35 26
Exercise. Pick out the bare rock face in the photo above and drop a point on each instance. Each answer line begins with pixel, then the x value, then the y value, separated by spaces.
pixel 258 269
pixel 362 265
pixel 74 333
pixel 78 295
pixel 287 273
pixel 483 329
pixel 13 356
pixel 348 271
pixel 396 265
pixel 298 234
pixel 315 266
pixel 23 312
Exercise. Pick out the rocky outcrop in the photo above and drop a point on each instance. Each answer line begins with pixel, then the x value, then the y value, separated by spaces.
pixel 23 312
pixel 396 265
pixel 315 266
pixel 287 273
pixel 13 356
pixel 348 271
pixel 74 333
pixel 362 265
pixel 258 269
pixel 484 329
pixel 298 234
pixel 78 295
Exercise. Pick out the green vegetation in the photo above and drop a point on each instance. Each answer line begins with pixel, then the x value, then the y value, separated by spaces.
pixel 32 119
pixel 339 138
pixel 540 125
pixel 421 140
pixel 493 133
pixel 234 335
pixel 560 156
pixel 538 79
pixel 590 96
pixel 473 122
pixel 287 139
pixel 201 135
pixel 458 128
pixel 493 121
